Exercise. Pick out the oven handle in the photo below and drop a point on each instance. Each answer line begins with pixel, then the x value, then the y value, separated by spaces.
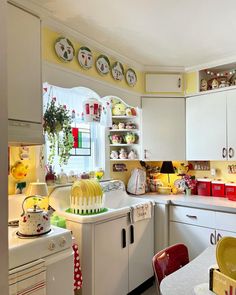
pixel 58 256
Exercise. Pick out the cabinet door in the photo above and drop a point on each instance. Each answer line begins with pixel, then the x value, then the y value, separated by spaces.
pixel 206 127
pixel 196 238
pixel 164 83
pixel 141 251
pixel 111 258
pixel 231 123
pixel 24 66
pixel 163 128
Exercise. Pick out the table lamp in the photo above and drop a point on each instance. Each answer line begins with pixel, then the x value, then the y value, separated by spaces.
pixel 167 168
pixel 37 189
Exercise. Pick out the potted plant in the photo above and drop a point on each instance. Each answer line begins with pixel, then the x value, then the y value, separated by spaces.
pixel 57 125
pixel 189 183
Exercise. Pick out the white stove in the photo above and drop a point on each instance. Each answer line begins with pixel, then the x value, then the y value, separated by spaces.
pixel 25 250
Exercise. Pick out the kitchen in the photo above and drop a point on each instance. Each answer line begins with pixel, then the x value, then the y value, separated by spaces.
pixel 158 96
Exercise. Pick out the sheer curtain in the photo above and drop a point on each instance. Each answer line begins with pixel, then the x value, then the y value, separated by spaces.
pixel 73 99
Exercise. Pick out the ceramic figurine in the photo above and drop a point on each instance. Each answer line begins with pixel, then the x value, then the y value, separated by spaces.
pixel 118 109
pixel 203 86
pixel 130 125
pixel 214 84
pixel 130 138
pixel 114 126
pixel 114 155
pixel 132 155
pixel 115 138
pixel 128 112
pixel 121 125
pixel 123 154
pixel 223 83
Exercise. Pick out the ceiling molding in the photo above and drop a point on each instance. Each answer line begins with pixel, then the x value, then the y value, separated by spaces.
pixel 165 69
pixel 212 64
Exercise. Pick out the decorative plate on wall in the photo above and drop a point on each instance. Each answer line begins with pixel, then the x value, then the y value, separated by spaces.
pixel 131 77
pixel 85 57
pixel 117 71
pixel 103 65
pixel 64 49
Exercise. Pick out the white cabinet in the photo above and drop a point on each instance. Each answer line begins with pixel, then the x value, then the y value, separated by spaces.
pixel 141 251
pixel 210 121
pixel 196 238
pixel 164 82
pixel 163 129
pixel 24 65
pixel 111 258
pixel 198 228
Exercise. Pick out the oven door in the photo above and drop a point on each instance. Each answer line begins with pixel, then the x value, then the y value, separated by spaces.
pixel 60 273
pixel 29 278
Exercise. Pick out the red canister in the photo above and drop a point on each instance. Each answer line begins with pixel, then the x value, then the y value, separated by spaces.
pixel 230 191
pixel 204 186
pixel 218 188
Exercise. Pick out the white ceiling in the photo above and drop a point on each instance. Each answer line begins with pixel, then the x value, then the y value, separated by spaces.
pixel 154 32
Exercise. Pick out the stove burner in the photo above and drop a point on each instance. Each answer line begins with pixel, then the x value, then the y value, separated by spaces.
pixel 22 236
pixel 13 223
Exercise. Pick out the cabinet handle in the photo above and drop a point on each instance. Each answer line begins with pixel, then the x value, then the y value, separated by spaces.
pixel 131 234
pixel 123 238
pixel 212 239
pixel 219 236
pixel 145 154
pixel 224 153
pixel 191 216
pixel 179 82
pixel 231 152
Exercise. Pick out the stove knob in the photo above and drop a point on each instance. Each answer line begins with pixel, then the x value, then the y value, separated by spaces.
pixel 62 242
pixel 52 246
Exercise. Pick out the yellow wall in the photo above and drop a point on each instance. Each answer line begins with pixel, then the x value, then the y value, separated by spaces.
pixel 220 166
pixel 49 37
pixel 191 82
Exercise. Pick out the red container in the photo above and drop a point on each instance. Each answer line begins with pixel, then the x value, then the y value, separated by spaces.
pixel 204 187
pixel 218 188
pixel 230 191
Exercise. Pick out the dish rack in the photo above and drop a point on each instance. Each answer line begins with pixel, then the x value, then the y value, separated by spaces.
pixel 86 197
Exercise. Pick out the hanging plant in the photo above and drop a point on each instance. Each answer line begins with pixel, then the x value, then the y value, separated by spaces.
pixel 57 126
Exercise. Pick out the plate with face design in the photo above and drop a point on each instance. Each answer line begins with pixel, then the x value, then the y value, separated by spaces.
pixel 64 49
pixel 103 65
pixel 131 77
pixel 117 71
pixel 85 57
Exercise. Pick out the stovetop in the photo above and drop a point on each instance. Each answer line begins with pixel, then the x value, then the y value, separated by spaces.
pixel 25 250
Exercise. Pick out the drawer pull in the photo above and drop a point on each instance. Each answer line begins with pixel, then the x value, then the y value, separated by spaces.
pixel 219 236
pixel 191 216
pixel 224 153
pixel 212 239
pixel 231 152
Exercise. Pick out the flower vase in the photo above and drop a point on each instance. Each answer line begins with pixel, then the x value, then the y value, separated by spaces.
pixel 188 191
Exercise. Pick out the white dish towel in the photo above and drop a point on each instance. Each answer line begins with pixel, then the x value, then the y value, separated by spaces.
pixel 141 211
pixel 29 279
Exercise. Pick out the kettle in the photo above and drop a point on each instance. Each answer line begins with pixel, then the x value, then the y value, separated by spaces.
pixel 34 221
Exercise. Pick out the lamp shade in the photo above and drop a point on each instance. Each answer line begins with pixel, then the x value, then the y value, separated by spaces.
pixel 167 168
pixel 37 189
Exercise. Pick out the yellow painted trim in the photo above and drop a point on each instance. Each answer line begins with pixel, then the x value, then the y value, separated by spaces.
pixel 48 54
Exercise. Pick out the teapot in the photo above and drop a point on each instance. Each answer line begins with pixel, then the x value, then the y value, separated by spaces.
pixel 34 221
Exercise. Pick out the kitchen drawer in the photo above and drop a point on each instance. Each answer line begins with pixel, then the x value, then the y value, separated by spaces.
pixel 192 216
pixel 226 221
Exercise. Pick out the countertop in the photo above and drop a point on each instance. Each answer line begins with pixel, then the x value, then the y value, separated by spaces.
pixel 195 201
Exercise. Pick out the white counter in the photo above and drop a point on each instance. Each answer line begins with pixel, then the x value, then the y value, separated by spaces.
pixel 202 202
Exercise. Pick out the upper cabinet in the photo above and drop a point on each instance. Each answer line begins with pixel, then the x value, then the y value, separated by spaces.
pixel 163 129
pixel 24 66
pixel 210 121
pixel 164 83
